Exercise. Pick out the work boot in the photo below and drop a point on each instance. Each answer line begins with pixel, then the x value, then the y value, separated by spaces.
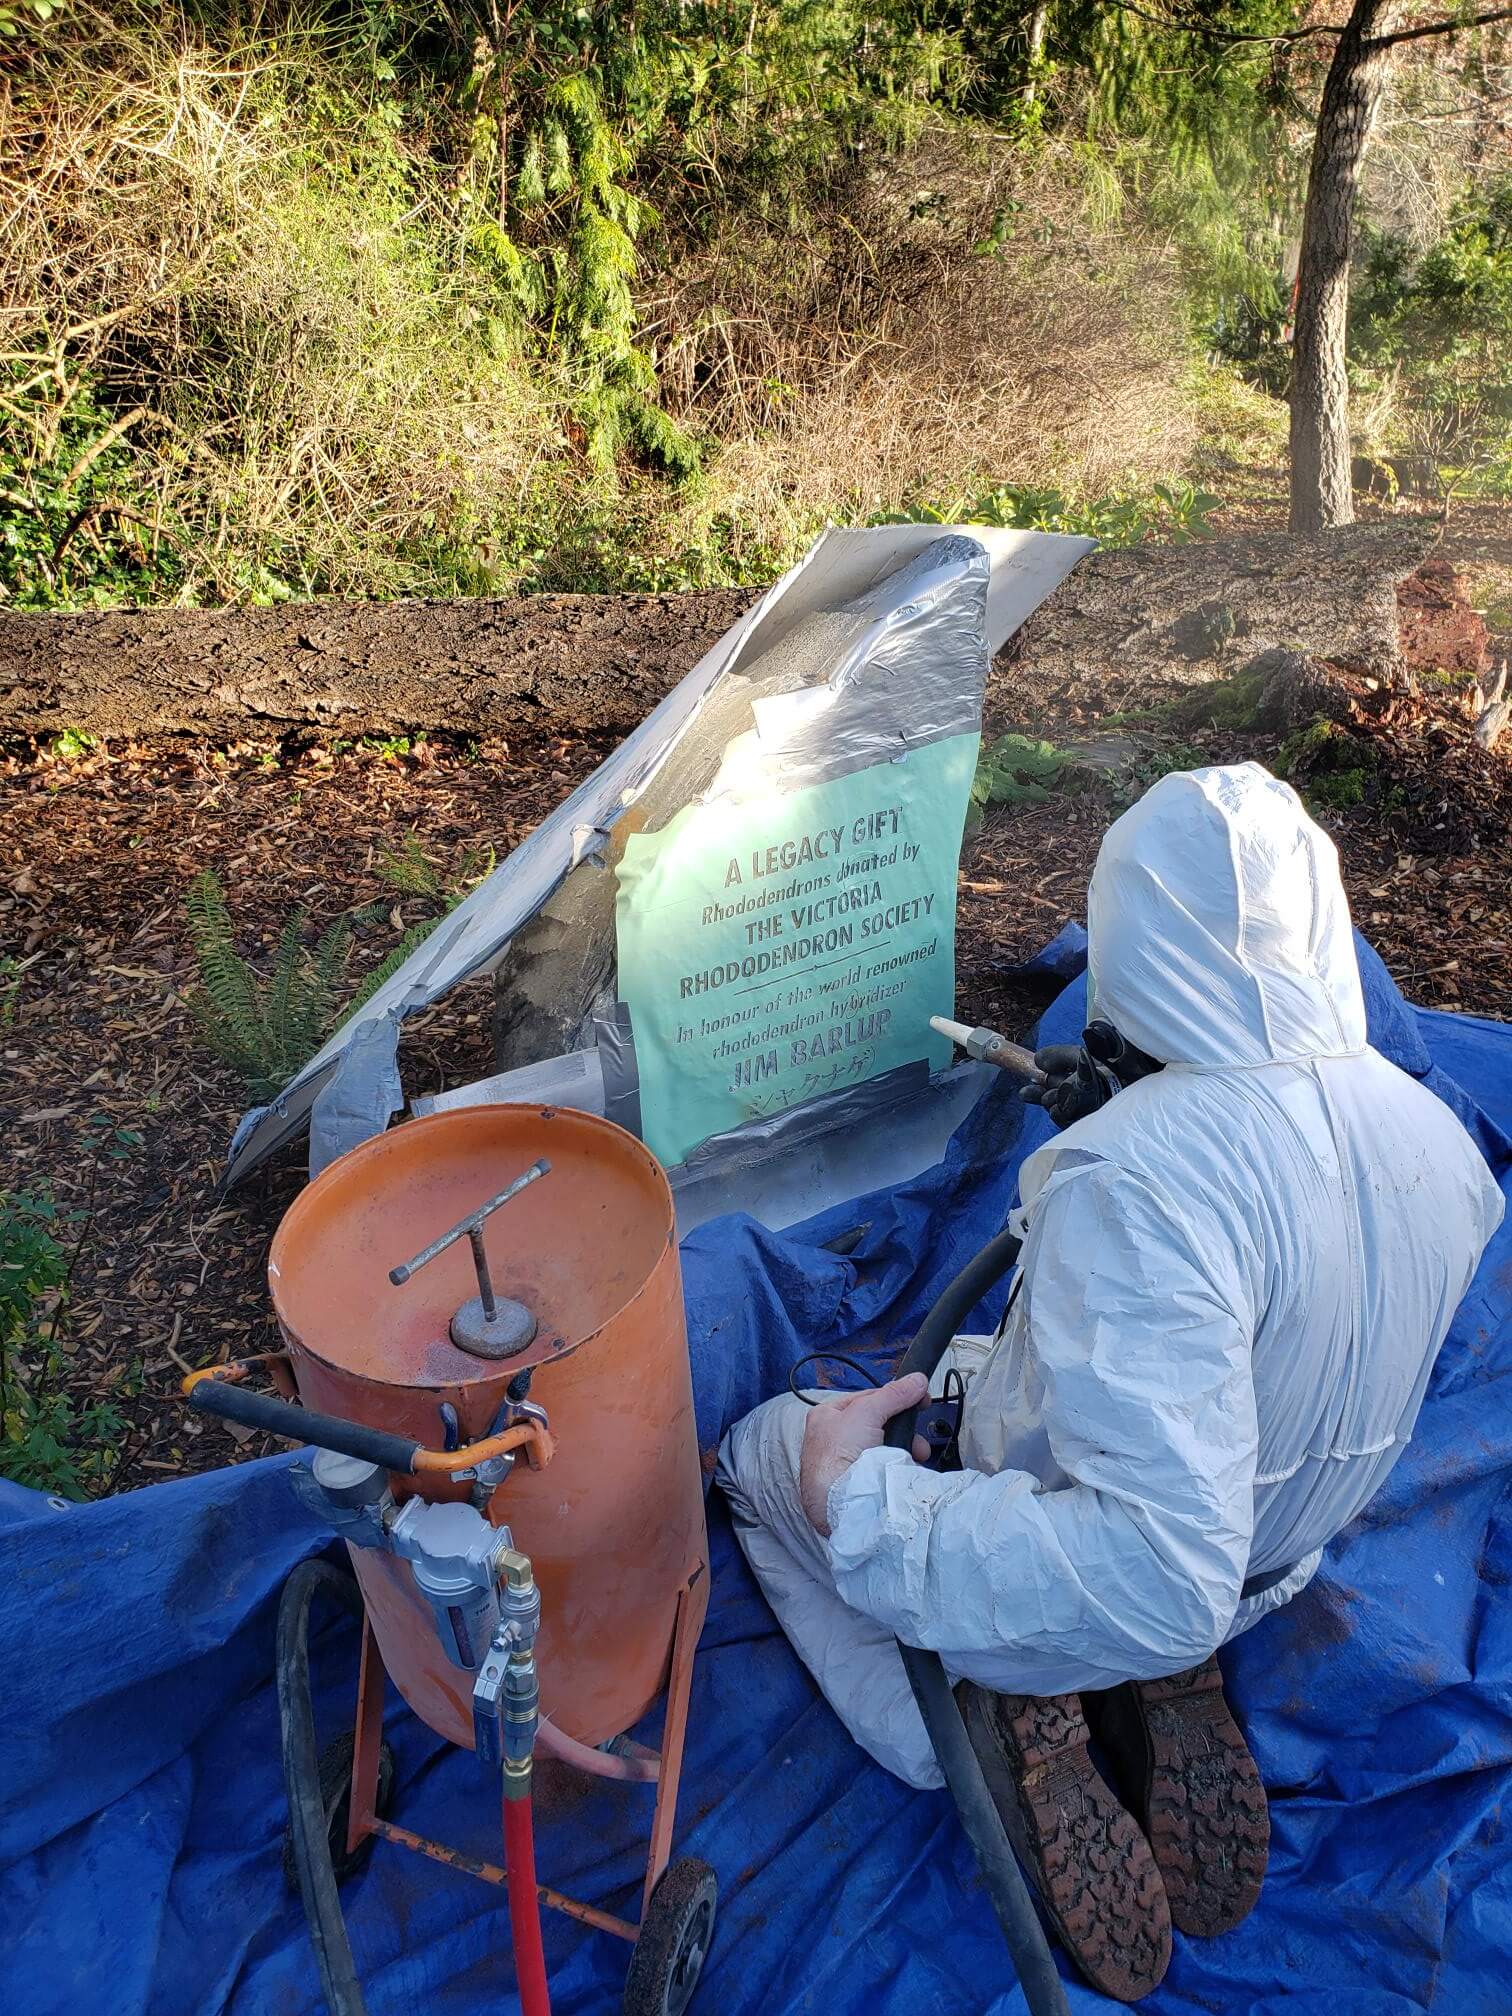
pixel 1185 1771
pixel 1084 1855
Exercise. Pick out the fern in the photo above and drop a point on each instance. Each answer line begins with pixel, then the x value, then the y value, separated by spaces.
pixel 266 1026
pixel 517 272
pixel 413 873
pixel 387 968
pixel 408 869
pixel 558 161
pixel 530 180
pixel 659 437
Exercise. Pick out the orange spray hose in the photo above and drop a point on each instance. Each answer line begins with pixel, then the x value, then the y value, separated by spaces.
pixel 525 1907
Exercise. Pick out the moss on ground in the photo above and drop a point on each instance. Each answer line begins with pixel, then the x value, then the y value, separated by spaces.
pixel 1333 769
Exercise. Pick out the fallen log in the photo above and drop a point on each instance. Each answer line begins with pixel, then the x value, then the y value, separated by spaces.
pixel 603 661
pixel 1184 615
pixel 356 667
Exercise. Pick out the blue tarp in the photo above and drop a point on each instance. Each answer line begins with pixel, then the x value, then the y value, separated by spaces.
pixel 141 1832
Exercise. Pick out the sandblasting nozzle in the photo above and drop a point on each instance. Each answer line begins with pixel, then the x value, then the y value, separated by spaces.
pixel 988 1047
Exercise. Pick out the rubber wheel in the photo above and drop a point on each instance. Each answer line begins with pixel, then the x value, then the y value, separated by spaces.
pixel 674 1940
pixel 335 1797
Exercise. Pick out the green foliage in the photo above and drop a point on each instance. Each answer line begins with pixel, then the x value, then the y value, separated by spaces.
pixel 391 748
pixel 16 15
pixel 105 1140
pixel 265 1026
pixel 1439 327
pixel 1334 770
pixel 1203 631
pixel 617 551
pixel 412 872
pixel 69 744
pixel 409 869
pixel 46 1441
pixel 1130 785
pixel 32 1263
pixel 268 1026
pixel 1176 511
pixel 376 295
pixel 421 296
pixel 1019 770
pixel 1198 125
pixel 577 113
pixel 1339 790
pixel 10 988
pixel 1234 702
pixel 77 528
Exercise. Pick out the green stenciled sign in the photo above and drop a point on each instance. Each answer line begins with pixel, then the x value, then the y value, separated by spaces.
pixel 779 947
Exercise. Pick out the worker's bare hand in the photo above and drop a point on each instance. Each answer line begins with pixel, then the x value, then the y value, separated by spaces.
pixel 838 1431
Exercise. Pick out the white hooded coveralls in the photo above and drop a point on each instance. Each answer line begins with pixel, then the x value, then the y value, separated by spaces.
pixel 1236 1278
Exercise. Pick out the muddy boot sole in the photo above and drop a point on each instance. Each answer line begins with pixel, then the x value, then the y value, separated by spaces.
pixel 1096 1878
pixel 1203 1805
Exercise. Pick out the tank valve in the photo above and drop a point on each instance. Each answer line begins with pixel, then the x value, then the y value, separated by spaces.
pixel 506 1693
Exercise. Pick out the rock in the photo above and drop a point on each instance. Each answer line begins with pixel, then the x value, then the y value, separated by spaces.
pixel 1370 478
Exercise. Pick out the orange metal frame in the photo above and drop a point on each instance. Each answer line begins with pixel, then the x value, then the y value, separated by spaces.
pixel 363 1817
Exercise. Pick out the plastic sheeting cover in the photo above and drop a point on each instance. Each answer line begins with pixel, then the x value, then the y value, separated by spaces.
pixel 842 565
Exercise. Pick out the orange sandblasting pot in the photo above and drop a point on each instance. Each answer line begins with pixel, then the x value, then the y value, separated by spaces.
pixel 614 1524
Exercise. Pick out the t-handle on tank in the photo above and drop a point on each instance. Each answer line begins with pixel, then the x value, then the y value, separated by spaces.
pixel 485 1325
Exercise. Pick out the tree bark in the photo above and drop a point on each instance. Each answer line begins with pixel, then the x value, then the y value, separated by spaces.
pixel 1321 496
pixel 1037 22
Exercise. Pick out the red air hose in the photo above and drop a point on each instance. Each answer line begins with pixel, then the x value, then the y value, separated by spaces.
pixel 525 1907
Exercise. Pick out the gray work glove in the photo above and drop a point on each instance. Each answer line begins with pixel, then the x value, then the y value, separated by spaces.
pixel 1075 1084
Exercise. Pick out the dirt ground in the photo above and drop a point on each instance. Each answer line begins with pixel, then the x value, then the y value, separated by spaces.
pixel 109 1101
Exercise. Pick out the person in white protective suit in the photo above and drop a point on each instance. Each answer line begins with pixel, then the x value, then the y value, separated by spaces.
pixel 1235 1278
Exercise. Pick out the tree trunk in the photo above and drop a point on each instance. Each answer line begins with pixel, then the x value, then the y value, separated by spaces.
pixel 1321 494
pixel 1036 50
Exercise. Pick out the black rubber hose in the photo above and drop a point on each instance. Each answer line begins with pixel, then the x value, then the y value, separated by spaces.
pixel 303 1424
pixel 301 1762
pixel 1032 1959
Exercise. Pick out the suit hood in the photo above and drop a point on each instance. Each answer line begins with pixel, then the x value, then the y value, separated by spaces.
pixel 1219 932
